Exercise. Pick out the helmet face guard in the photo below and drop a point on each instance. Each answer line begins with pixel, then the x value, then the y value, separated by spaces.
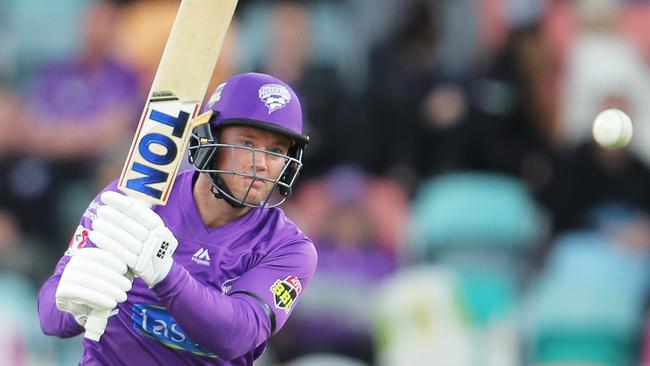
pixel 204 149
pixel 252 100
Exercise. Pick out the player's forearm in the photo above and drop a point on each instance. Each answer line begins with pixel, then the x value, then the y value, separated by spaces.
pixel 227 326
pixel 53 321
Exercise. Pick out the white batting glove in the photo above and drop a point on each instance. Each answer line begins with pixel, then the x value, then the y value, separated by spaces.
pixel 133 232
pixel 93 279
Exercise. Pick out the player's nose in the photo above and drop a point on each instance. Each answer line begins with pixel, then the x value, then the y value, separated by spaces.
pixel 259 161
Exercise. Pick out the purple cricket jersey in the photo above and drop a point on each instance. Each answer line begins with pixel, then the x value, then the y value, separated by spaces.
pixel 229 289
pixel 75 90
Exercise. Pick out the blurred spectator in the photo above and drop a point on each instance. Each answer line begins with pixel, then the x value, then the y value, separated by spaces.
pixel 352 261
pixel 286 31
pixel 12 125
pixel 76 110
pixel 604 69
pixel 402 72
pixel 21 176
pixel 420 320
pixel 459 51
pixel 28 40
pixel 510 128
pixel 385 204
pixel 20 254
pixel 139 36
pixel 88 102
pixel 591 175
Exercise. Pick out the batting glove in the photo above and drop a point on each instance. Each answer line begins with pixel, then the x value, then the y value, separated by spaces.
pixel 93 279
pixel 133 232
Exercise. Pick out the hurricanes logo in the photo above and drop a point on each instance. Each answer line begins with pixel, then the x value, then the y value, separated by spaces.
pixel 227 285
pixel 274 96
pixel 285 292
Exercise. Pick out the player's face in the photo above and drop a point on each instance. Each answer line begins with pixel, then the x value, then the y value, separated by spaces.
pixel 255 161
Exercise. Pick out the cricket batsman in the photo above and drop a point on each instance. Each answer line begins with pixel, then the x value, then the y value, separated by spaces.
pixel 219 269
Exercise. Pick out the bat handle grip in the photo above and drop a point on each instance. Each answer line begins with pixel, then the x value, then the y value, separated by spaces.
pixel 96 323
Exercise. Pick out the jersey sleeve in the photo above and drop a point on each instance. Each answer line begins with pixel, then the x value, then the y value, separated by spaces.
pixel 241 318
pixel 52 320
pixel 277 283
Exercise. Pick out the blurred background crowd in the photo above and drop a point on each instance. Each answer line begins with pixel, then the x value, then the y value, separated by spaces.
pixel 462 213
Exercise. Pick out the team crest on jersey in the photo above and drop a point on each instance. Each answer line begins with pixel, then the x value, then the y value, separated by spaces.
pixel 216 96
pixel 227 285
pixel 285 292
pixel 274 96
pixel 79 240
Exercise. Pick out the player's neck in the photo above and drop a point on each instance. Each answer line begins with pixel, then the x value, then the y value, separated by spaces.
pixel 213 212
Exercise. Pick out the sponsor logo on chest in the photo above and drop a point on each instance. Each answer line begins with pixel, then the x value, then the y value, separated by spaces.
pixel 156 323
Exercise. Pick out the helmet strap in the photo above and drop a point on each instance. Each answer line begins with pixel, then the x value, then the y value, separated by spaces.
pixel 218 186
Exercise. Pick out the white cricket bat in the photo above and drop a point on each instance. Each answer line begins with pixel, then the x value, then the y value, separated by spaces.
pixel 168 118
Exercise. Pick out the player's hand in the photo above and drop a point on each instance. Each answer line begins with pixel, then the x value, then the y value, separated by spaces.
pixel 136 234
pixel 93 279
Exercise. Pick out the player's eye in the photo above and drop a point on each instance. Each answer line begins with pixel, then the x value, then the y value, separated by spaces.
pixel 246 143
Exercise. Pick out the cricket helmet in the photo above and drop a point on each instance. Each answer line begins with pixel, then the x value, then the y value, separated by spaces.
pixel 253 100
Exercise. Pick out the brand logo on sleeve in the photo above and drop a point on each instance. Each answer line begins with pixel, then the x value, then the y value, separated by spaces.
pixel 285 292
pixel 156 323
pixel 201 257
pixel 216 96
pixel 91 211
pixel 79 240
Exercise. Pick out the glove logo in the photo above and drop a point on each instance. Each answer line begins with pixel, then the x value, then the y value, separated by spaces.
pixel 162 250
pixel 156 323
pixel 79 240
pixel 285 292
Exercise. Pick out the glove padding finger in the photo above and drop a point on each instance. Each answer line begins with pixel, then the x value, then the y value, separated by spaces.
pixel 93 279
pixel 132 208
pixel 158 243
pixel 98 255
pixel 106 243
pixel 121 220
pixel 118 234
pixel 97 275
pixel 83 295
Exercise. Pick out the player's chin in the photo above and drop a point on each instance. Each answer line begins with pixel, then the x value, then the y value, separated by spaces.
pixel 257 193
